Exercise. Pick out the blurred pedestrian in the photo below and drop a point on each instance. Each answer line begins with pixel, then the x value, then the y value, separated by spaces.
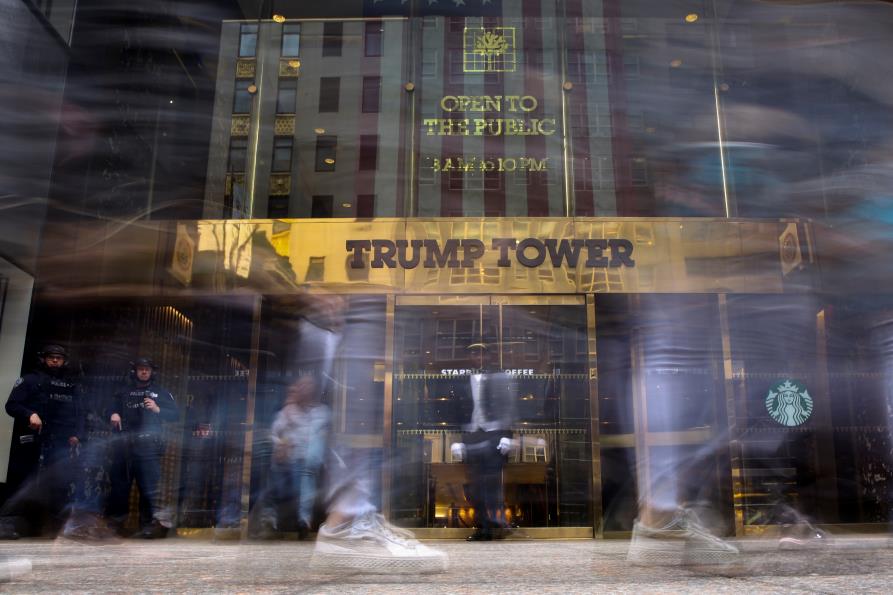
pixel 300 431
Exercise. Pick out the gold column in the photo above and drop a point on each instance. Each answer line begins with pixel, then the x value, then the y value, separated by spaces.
pixel 594 432
pixel 640 418
pixel 735 454
pixel 388 409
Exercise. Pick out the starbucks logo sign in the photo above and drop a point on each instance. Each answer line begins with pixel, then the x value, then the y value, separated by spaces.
pixel 789 403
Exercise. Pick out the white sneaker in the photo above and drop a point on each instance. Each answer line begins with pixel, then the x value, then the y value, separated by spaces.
pixel 370 544
pixel 14 568
pixel 684 541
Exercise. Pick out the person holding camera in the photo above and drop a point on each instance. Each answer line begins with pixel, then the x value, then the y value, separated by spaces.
pixel 137 413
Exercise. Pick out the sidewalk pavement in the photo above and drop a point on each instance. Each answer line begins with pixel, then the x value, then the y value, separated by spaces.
pixel 851 564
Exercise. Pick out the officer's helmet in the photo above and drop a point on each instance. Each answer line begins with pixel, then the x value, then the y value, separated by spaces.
pixel 53 349
pixel 143 361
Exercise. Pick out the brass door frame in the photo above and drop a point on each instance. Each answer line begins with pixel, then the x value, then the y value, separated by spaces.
pixel 499 300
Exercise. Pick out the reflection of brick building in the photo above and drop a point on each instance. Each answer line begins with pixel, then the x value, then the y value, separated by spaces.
pixel 321 132
pixel 333 129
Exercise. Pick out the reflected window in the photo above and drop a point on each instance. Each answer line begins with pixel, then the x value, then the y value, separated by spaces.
pixel 248 40
pixel 368 152
pixel 329 93
pixel 366 206
pixel 242 98
pixel 287 97
pixel 321 206
pixel 325 152
pixel 373 38
pixel 430 60
pixel 277 207
pixel 332 34
pixel 371 94
pixel 282 153
pixel 238 154
pixel 291 40
pixel 639 171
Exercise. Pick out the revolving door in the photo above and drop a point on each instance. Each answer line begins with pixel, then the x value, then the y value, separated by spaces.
pixel 541 344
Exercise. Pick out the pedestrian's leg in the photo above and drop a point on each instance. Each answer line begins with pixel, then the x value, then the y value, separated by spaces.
pixel 147 469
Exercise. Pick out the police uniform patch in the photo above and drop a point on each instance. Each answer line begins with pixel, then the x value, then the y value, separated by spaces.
pixel 19 381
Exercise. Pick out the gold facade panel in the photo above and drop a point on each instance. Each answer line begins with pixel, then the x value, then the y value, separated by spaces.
pixel 443 300
pixel 230 179
pixel 486 275
pixel 665 255
pixel 240 125
pixel 316 254
pixel 245 69
pixel 284 126
pixel 288 68
pixel 280 184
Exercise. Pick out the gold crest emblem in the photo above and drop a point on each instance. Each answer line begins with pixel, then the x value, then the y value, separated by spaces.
pixel 489 50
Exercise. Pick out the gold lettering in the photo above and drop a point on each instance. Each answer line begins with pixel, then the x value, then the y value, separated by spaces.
pixel 492 104
pixel 449 100
pixel 531 102
pixel 534 164
pixel 468 163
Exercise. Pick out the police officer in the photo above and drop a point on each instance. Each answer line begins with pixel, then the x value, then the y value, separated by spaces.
pixel 137 412
pixel 50 402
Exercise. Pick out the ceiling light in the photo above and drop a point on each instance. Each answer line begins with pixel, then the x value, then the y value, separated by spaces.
pixel 346 205
pixel 319 130
pixel 278 18
pixel 294 63
pixel 252 88
pixel 676 63
pixel 691 18
pixel 329 161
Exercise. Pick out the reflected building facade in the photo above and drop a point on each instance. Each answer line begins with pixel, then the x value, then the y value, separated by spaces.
pixel 664 218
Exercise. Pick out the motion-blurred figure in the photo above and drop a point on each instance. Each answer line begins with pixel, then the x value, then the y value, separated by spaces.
pixel 300 433
pixel 487 422
pixel 137 413
pixel 677 521
pixel 354 536
pixel 50 402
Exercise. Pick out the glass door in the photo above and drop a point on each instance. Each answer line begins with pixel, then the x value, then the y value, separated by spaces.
pixel 535 349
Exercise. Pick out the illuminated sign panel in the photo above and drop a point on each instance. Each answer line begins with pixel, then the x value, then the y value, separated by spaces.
pixel 529 252
pixel 526 130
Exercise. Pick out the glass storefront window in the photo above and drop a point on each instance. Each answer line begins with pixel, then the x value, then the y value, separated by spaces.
pixel 542 349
